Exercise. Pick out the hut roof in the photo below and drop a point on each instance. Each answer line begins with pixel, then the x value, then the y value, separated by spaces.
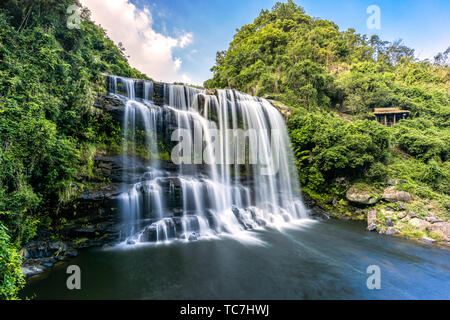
pixel 389 111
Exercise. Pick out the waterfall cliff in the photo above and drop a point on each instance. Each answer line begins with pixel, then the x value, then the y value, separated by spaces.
pixel 234 165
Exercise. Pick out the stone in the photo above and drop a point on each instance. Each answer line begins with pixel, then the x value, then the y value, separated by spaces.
pixel 392 195
pixel 372 220
pixel 402 215
pixel 391 231
pixel 32 270
pixel 427 240
pixel 150 234
pixel 371 216
pixel 419 223
pixel 193 237
pixel 401 206
pixel 361 197
pixel 210 92
pixel 412 214
pixel 389 222
pixel 441 228
pixel 405 219
pixel 434 220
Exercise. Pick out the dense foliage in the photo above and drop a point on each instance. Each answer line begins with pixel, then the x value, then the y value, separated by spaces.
pixel 49 75
pixel 333 80
pixel 11 278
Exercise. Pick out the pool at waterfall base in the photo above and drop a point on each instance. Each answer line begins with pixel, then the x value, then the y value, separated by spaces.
pixel 306 260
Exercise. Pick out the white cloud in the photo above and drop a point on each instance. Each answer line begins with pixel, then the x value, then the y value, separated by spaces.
pixel 150 52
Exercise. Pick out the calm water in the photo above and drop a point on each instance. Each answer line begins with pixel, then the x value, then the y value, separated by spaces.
pixel 312 261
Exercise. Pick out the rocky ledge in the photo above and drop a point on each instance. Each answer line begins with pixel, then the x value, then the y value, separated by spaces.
pixel 40 256
pixel 396 212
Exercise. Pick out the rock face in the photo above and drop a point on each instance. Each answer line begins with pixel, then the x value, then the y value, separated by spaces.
pixel 361 197
pixel 393 195
pixel 284 110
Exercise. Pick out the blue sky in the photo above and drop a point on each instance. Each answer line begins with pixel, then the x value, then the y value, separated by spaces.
pixel 209 26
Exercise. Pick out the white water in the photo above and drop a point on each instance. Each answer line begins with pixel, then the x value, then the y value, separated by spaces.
pixel 219 197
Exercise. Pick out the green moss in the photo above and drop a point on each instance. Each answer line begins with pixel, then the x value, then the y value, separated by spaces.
pixel 79 241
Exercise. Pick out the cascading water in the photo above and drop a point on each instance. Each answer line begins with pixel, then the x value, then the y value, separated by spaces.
pixel 220 183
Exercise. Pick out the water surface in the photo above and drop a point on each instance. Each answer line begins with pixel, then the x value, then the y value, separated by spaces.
pixel 312 261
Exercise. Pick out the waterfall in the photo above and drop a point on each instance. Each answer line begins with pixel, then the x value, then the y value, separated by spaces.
pixel 232 165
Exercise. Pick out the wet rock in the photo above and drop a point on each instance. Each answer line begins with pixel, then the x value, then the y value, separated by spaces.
pixel 372 227
pixel 392 195
pixel 419 224
pixel 32 270
pixel 361 197
pixel 131 242
pixel 150 234
pixel 177 212
pixel 193 237
pixel 42 255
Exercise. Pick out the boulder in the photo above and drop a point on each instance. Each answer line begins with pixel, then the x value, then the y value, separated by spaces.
pixel 441 228
pixel 391 231
pixel 392 195
pixel 361 197
pixel 419 223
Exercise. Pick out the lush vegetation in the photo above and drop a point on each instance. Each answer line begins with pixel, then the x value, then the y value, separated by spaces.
pixel 49 76
pixel 333 80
